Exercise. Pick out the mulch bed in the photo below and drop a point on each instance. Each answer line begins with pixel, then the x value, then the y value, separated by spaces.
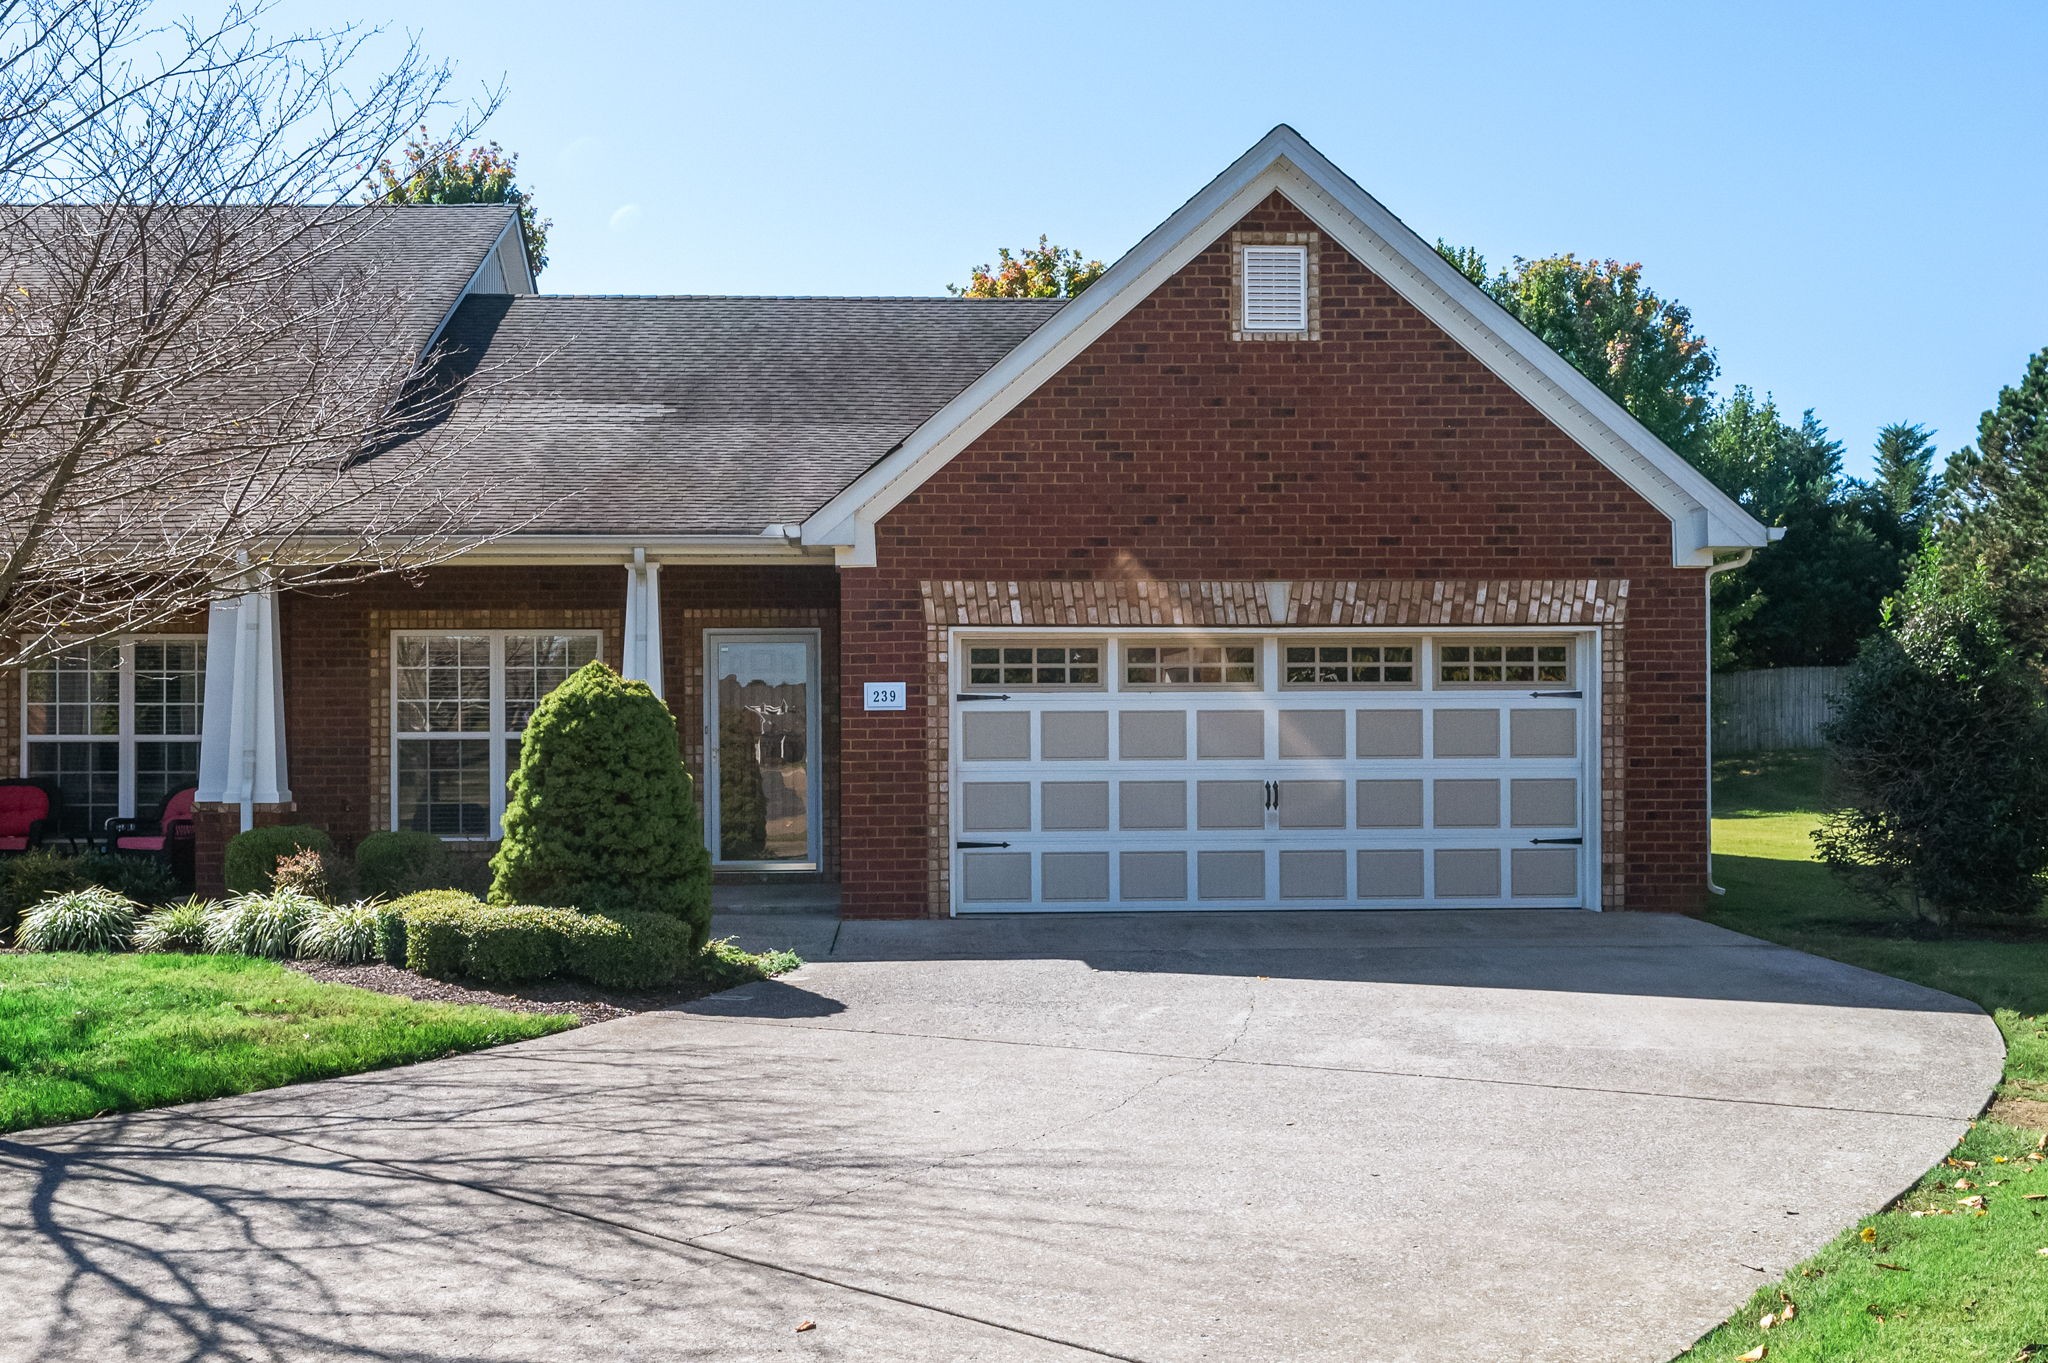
pixel 583 1002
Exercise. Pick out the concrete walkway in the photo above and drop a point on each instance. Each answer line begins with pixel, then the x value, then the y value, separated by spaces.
pixel 1463 1137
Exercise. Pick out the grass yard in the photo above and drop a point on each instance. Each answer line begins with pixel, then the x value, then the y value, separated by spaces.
pixel 82 1035
pixel 1958 1281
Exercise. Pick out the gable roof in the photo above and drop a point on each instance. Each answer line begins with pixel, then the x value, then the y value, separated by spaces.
pixel 1704 520
pixel 694 416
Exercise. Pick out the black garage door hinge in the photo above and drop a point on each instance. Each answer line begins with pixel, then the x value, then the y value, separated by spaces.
pixel 1557 695
pixel 980 844
pixel 1557 842
pixel 977 695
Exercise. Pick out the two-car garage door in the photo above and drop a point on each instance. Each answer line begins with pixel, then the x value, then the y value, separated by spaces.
pixel 1362 770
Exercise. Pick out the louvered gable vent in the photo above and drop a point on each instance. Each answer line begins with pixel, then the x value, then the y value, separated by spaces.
pixel 1276 288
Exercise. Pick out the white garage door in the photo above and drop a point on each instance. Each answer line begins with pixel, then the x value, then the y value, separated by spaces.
pixel 1359 770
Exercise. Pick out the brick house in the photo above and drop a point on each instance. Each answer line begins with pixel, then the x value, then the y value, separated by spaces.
pixel 1279 569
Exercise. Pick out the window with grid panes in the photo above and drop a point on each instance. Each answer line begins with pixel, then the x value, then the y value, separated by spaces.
pixel 1348 664
pixel 1191 664
pixel 1034 664
pixel 459 705
pixel 1504 662
pixel 114 726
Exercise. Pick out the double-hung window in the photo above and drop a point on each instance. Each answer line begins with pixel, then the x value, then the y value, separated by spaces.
pixel 460 702
pixel 114 725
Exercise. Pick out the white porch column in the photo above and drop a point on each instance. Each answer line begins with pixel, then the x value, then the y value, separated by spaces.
pixel 643 623
pixel 241 740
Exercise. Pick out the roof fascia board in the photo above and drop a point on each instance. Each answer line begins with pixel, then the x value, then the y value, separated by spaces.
pixel 1460 306
pixel 605 549
pixel 1702 517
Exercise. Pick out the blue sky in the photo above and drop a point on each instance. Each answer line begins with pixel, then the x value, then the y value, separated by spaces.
pixel 1849 197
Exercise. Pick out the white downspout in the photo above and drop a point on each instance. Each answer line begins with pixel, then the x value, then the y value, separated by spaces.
pixel 1738 561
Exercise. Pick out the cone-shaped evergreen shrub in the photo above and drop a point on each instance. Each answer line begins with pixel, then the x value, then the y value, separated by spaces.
pixel 601 814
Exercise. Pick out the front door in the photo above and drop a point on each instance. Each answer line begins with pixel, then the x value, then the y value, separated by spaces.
pixel 761 768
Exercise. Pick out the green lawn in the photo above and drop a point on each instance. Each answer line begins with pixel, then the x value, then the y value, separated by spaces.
pixel 82 1035
pixel 1950 1284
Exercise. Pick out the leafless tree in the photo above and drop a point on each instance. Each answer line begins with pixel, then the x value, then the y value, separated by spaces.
pixel 208 354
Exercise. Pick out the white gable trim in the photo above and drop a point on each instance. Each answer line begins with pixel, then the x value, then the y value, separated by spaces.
pixel 1703 519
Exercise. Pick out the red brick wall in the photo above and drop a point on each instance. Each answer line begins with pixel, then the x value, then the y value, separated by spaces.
pixel 1167 451
pixel 336 666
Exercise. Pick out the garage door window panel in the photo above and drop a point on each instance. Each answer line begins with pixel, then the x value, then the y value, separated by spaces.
pixel 1190 664
pixel 1349 666
pixel 1055 666
pixel 1504 662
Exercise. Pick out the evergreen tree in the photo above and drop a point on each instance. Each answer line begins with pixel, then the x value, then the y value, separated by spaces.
pixel 601 814
pixel 1904 476
pixel 1995 505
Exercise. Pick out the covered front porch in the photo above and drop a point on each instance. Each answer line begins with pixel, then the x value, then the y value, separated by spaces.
pixel 399 702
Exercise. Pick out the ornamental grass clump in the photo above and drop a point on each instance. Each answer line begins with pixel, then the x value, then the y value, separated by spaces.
pixel 345 934
pixel 92 919
pixel 600 815
pixel 176 927
pixel 260 924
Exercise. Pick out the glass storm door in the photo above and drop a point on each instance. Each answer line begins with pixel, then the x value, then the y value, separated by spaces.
pixel 761 701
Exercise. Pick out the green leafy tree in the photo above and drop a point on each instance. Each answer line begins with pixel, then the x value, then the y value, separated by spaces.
pixel 1041 271
pixel 1995 506
pixel 1639 349
pixel 1812 597
pixel 1940 740
pixel 435 173
pixel 1904 474
pixel 601 814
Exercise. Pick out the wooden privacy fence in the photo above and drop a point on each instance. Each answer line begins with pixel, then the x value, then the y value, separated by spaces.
pixel 1776 707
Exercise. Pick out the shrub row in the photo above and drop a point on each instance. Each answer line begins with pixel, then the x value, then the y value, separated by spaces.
pixel 30 878
pixel 385 865
pixel 449 935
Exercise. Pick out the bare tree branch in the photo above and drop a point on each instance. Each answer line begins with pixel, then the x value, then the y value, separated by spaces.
pixel 203 333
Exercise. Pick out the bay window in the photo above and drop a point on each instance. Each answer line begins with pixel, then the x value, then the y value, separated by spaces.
pixel 460 702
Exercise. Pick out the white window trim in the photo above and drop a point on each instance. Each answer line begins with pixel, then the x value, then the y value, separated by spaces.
pixel 126 738
pixel 497 735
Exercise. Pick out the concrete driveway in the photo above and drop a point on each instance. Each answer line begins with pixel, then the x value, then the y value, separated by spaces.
pixel 1523 1136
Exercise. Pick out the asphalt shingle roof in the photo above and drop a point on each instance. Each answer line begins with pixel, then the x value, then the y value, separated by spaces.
pixel 699 415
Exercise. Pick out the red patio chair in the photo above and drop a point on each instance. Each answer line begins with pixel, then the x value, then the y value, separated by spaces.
pixel 28 813
pixel 164 836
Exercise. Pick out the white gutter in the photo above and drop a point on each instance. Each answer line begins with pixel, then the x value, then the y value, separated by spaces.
pixel 1728 566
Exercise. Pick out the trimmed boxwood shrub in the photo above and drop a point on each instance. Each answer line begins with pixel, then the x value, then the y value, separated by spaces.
pixel 391 919
pixel 436 936
pixel 252 856
pixel 600 814
pixel 516 943
pixel 394 864
pixel 624 950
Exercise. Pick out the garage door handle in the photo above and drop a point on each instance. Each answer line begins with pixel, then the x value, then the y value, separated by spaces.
pixel 975 695
pixel 1557 695
pixel 1554 842
pixel 980 844
pixel 1272 794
